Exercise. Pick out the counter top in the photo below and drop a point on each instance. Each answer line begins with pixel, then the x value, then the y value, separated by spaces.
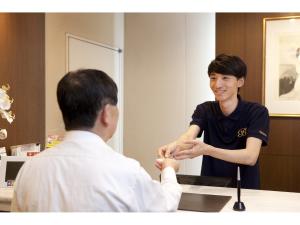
pixel 254 200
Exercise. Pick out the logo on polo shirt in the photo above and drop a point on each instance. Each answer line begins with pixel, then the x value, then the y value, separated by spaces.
pixel 242 132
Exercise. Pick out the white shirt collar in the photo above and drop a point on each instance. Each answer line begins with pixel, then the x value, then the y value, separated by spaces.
pixel 79 135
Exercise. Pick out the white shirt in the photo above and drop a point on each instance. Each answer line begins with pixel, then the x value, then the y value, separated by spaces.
pixel 84 174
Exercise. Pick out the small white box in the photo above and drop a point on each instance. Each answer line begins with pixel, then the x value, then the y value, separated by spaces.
pixel 25 150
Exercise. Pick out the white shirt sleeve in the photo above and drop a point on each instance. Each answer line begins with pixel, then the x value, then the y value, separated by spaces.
pixel 153 196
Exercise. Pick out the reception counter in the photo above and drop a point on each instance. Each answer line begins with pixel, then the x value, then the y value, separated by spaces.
pixel 254 200
pixel 6 195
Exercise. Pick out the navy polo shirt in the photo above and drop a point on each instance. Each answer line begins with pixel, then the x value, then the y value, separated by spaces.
pixel 231 132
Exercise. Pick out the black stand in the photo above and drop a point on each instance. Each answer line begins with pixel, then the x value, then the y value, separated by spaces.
pixel 239 206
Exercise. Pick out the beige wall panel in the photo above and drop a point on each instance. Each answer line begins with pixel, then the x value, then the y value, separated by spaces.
pixel 154 81
pixel 166 59
pixel 94 26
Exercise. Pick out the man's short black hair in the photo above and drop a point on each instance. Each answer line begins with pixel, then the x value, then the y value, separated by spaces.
pixel 82 94
pixel 228 65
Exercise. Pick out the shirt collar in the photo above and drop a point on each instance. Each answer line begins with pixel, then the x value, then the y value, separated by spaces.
pixel 80 135
pixel 235 114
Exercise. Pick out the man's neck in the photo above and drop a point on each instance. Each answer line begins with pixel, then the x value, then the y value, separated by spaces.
pixel 100 132
pixel 227 107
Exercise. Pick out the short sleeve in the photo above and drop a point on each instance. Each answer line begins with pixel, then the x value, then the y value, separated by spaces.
pixel 199 117
pixel 259 124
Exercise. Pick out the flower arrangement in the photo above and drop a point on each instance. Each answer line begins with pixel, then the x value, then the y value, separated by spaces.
pixel 5 103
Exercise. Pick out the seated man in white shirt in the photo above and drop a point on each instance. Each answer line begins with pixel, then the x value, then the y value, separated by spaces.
pixel 83 173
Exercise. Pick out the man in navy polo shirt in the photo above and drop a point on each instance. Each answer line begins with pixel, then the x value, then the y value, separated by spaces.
pixel 234 129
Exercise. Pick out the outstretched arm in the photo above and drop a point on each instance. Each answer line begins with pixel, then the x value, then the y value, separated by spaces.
pixel 167 151
pixel 246 156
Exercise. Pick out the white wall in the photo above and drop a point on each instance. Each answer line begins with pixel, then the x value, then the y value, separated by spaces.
pixel 200 50
pixel 166 58
pixel 105 28
pixel 165 77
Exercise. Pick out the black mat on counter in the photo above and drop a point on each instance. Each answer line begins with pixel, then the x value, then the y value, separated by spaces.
pixel 205 180
pixel 202 202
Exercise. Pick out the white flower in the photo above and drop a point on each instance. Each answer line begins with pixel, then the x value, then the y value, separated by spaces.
pixel 5 104
pixel 8 116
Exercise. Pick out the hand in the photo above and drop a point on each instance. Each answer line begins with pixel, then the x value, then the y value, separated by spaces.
pixel 166 151
pixel 192 149
pixel 162 163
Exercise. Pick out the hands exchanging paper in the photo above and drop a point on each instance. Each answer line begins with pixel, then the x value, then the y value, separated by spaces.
pixel 162 163
pixel 187 149
pixel 177 150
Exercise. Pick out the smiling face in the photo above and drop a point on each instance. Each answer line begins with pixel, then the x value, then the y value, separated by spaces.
pixel 225 87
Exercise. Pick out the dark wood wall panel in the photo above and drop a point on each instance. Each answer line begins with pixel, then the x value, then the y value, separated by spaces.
pixel 22 65
pixel 280 171
pixel 242 34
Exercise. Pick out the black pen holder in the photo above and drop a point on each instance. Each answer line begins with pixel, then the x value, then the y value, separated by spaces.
pixel 239 206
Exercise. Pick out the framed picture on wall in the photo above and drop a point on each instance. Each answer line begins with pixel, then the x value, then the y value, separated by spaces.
pixel 281 73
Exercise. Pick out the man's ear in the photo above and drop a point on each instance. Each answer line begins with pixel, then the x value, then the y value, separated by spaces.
pixel 104 115
pixel 241 82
